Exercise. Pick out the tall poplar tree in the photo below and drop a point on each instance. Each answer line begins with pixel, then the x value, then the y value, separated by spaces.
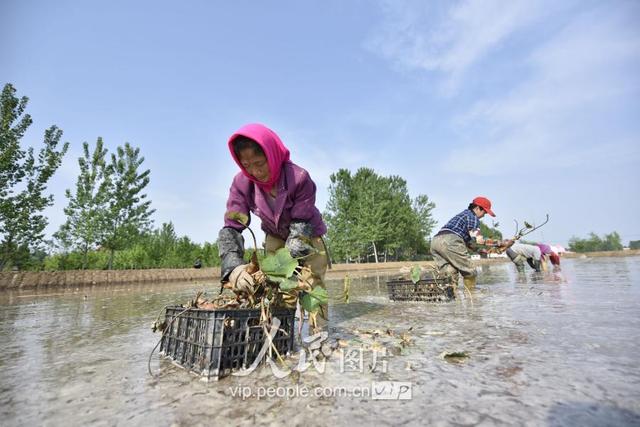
pixel 87 206
pixel 23 180
pixel 128 213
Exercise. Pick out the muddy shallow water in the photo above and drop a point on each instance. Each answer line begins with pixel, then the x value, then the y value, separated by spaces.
pixel 558 348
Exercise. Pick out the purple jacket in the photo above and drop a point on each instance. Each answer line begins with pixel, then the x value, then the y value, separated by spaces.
pixel 295 200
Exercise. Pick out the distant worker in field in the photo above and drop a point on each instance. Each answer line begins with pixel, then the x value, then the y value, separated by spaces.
pixel 282 195
pixel 555 260
pixel 557 249
pixel 521 252
pixel 449 246
pixel 547 254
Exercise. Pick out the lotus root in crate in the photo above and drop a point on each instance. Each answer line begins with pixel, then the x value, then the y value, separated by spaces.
pixel 427 289
pixel 214 343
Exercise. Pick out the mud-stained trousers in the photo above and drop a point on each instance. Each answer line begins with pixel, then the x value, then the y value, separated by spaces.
pixel 451 257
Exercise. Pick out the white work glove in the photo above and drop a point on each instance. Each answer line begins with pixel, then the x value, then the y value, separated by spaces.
pixel 241 280
pixel 476 239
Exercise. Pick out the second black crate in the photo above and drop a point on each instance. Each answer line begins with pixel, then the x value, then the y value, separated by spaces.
pixel 427 289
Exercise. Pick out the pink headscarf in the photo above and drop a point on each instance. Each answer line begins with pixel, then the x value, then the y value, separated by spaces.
pixel 277 154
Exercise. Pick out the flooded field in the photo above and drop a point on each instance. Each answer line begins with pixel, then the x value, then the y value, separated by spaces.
pixel 558 348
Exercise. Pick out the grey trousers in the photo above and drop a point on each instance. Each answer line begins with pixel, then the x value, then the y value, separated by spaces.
pixel 451 255
pixel 519 260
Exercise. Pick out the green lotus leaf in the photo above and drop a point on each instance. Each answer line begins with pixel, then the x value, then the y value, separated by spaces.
pixel 288 285
pixel 311 301
pixel 281 264
pixel 415 273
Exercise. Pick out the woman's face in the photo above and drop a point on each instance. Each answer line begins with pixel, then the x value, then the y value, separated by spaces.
pixel 479 211
pixel 255 164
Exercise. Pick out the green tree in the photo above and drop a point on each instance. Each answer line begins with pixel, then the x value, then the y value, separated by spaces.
pixel 340 222
pixel 370 215
pixel 23 181
pixel 128 214
pixel 159 248
pixel 414 224
pixel 209 255
pixel 423 209
pixel 84 227
pixel 409 221
pixel 610 242
pixel 371 208
pixel 489 232
pixel 161 244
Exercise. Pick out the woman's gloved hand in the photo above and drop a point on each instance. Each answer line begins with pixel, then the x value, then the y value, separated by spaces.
pixel 231 249
pixel 241 280
pixel 299 240
pixel 508 243
pixel 504 245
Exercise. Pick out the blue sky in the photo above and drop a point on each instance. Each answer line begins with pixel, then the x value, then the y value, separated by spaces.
pixel 534 104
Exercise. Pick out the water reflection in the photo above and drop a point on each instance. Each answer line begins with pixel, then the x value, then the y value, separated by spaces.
pixel 590 414
pixel 492 274
pixel 558 347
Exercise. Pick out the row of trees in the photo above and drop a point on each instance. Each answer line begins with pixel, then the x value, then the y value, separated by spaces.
pixel 160 248
pixel 373 217
pixel 610 242
pixel 108 215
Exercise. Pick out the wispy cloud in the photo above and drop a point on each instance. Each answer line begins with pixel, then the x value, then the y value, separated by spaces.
pixel 448 37
pixel 583 71
pixel 564 112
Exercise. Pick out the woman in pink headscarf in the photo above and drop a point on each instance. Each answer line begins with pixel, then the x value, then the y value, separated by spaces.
pixel 282 195
pixel 548 254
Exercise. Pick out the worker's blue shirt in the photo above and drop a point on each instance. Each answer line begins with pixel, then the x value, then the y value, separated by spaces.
pixel 462 224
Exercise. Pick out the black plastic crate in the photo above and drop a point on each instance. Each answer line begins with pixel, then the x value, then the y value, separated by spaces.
pixel 427 289
pixel 214 343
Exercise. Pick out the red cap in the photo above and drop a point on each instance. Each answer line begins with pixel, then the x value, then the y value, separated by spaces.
pixel 554 258
pixel 484 203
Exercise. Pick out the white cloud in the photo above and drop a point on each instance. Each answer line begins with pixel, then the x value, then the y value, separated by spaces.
pixel 449 37
pixel 577 81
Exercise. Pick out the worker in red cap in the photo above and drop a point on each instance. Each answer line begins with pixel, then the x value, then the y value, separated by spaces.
pixel 449 245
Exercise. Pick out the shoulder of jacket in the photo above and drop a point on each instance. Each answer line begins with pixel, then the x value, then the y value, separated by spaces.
pixel 241 182
pixel 299 174
pixel 295 168
pixel 241 178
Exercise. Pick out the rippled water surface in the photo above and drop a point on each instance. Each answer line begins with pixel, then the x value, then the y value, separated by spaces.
pixel 559 348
